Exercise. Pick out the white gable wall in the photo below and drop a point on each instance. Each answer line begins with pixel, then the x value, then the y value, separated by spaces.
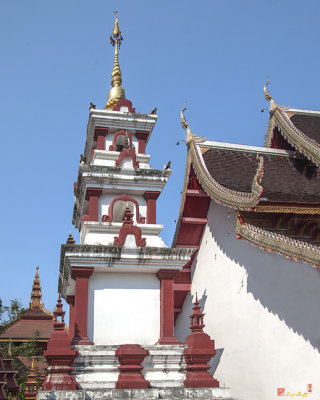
pixel 261 309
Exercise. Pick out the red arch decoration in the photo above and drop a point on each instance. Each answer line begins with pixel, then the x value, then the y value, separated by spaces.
pixel 128 153
pixel 113 146
pixel 123 197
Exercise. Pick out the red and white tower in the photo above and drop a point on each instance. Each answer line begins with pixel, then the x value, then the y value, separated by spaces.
pixel 119 280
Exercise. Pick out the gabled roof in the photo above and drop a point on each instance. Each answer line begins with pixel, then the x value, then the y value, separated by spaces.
pixel 300 128
pixel 235 168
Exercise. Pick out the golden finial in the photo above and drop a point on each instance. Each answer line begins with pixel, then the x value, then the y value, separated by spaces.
pixel 116 92
pixel 9 348
pixel 190 135
pixel 36 294
pixel 268 96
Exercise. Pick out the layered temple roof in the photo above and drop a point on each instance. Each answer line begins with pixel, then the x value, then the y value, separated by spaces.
pixel 235 169
pixel 274 189
pixel 36 319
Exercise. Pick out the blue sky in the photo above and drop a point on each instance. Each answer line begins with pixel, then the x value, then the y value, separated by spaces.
pixel 55 59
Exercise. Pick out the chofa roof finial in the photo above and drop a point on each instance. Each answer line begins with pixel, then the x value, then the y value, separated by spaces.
pixel 267 95
pixel 190 136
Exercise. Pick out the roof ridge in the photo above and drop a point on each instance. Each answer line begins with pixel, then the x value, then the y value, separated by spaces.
pixel 248 148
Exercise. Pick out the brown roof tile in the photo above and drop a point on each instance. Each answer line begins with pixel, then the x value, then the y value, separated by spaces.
pixel 308 124
pixel 286 179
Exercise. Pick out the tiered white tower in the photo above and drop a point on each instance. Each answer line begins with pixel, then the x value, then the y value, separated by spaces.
pixel 119 280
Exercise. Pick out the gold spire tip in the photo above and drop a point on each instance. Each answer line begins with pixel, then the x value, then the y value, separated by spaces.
pixel 116 92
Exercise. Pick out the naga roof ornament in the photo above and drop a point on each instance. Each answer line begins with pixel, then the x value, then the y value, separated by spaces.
pixel 274 242
pixel 190 136
pixel 268 96
pixel 221 194
pixel 117 91
pixel 300 141
pixel 237 200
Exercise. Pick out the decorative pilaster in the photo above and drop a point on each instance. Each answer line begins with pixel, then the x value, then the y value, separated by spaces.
pixel 151 198
pixel 92 195
pixel 71 302
pixel 199 352
pixel 81 276
pixel 130 357
pixel 166 278
pixel 142 139
pixel 99 136
pixel 12 386
pixel 59 356
pixel 2 379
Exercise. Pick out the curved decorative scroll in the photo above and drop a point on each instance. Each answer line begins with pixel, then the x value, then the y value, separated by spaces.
pixel 124 198
pixel 238 200
pixel 293 249
pixel 128 153
pixel 129 229
pixel 113 146
pixel 305 145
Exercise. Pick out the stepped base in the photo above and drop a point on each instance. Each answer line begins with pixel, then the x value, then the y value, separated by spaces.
pixel 138 394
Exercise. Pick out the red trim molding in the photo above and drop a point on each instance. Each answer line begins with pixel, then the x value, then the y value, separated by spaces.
pixel 113 146
pixel 81 276
pixel 124 198
pixel 125 103
pixel 151 198
pixel 166 277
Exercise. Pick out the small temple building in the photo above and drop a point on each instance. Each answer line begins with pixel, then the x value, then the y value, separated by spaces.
pixel 34 322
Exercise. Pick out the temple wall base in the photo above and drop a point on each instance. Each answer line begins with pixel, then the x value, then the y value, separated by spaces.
pixel 145 394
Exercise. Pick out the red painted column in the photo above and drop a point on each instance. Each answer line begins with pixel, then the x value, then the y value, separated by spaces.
pixel 93 195
pixel 142 138
pixel 70 301
pixel 81 276
pixel 167 306
pixel 151 198
pixel 99 136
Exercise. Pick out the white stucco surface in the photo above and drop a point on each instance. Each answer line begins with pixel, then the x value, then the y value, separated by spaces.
pixel 261 309
pixel 136 297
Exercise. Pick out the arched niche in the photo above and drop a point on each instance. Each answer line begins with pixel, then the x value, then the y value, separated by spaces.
pixel 117 208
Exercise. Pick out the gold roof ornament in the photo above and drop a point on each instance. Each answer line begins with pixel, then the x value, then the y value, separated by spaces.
pixel 268 96
pixel 116 92
pixel 190 136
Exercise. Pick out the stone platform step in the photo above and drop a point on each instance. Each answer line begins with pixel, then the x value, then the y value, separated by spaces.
pixel 138 394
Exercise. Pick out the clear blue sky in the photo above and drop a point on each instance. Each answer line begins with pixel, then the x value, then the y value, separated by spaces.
pixel 55 59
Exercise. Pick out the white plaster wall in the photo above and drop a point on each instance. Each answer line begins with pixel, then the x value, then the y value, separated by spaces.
pixel 124 308
pixel 261 309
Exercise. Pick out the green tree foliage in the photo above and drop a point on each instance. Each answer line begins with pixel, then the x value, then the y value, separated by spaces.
pixel 9 313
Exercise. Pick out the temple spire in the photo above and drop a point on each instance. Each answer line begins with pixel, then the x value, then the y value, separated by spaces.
pixel 116 92
pixel 35 303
